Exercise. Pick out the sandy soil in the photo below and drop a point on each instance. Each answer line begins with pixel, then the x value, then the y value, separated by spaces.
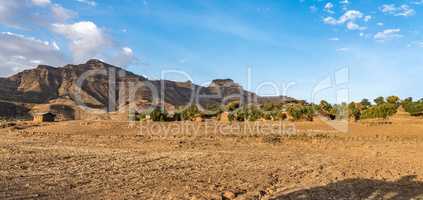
pixel 114 160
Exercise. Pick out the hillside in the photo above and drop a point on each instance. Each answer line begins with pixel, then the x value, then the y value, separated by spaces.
pixel 46 84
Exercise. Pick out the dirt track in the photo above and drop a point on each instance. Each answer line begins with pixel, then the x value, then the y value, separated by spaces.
pixel 104 160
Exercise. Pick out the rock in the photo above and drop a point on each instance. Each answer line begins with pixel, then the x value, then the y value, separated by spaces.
pixel 228 195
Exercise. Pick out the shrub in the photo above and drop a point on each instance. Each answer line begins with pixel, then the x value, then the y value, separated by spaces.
pixel 383 110
pixel 298 112
pixel 157 115
pixel 414 108
pixel 393 100
pixel 190 113
pixel 365 103
pixel 379 100
pixel 354 112
pixel 250 113
pixel 275 115
pixel 327 110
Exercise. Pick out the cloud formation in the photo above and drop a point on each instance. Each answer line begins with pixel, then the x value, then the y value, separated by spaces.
pixel 88 2
pixel 349 18
pixel 387 34
pixel 19 52
pixel 86 39
pixel 20 14
pixel 392 9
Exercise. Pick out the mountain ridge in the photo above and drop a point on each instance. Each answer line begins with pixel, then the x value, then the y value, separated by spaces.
pixel 106 87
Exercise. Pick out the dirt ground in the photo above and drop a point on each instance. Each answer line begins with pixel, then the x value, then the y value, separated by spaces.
pixel 208 160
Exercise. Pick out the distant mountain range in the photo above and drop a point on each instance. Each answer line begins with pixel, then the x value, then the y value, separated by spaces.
pixel 45 85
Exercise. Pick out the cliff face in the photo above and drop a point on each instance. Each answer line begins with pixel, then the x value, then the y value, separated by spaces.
pixel 103 81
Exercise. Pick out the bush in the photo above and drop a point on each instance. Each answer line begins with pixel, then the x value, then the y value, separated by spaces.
pixel 250 113
pixel 414 108
pixel 354 112
pixel 275 115
pixel 383 110
pixel 157 115
pixel 298 112
pixel 327 110
pixel 379 100
pixel 393 100
pixel 190 113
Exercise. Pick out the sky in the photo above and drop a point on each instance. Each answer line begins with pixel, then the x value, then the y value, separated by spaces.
pixel 338 50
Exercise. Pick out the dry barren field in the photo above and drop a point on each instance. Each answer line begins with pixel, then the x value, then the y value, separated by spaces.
pixel 115 160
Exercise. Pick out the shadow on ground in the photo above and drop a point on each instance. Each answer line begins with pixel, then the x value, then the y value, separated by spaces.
pixel 404 188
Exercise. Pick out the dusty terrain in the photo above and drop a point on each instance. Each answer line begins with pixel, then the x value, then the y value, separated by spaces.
pixel 115 160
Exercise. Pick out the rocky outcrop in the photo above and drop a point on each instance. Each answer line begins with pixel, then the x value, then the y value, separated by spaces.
pixel 99 85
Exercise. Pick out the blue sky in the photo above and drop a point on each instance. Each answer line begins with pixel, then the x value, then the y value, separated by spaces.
pixel 290 42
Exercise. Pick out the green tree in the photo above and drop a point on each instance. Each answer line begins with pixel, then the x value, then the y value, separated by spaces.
pixel 383 110
pixel 299 111
pixel 190 113
pixel 327 110
pixel 379 100
pixel 365 103
pixel 393 100
pixel 354 111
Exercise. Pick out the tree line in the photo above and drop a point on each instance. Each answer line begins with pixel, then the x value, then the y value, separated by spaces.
pixel 381 108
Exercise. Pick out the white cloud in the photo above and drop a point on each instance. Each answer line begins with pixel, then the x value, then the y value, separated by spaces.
pixel 86 39
pixel 27 14
pixel 349 17
pixel 392 9
pixel 380 24
pixel 124 57
pixel 367 18
pixel 344 2
pixel 418 2
pixel 41 2
pixel 61 14
pixel 88 2
pixel 354 26
pixel 342 49
pixel 330 21
pixel 328 8
pixel 18 52
pixel 387 34
pixel 334 39
pixel 127 51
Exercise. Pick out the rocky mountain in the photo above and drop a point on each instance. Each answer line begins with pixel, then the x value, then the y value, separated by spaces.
pixel 99 85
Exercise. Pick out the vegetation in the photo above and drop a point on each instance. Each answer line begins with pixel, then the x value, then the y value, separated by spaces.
pixel 327 110
pixel 301 112
pixel 190 113
pixel 382 108
pixel 354 111
pixel 156 115
pixel 415 108
pixel 246 113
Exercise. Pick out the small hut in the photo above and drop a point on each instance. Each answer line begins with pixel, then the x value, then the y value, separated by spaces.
pixel 44 117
